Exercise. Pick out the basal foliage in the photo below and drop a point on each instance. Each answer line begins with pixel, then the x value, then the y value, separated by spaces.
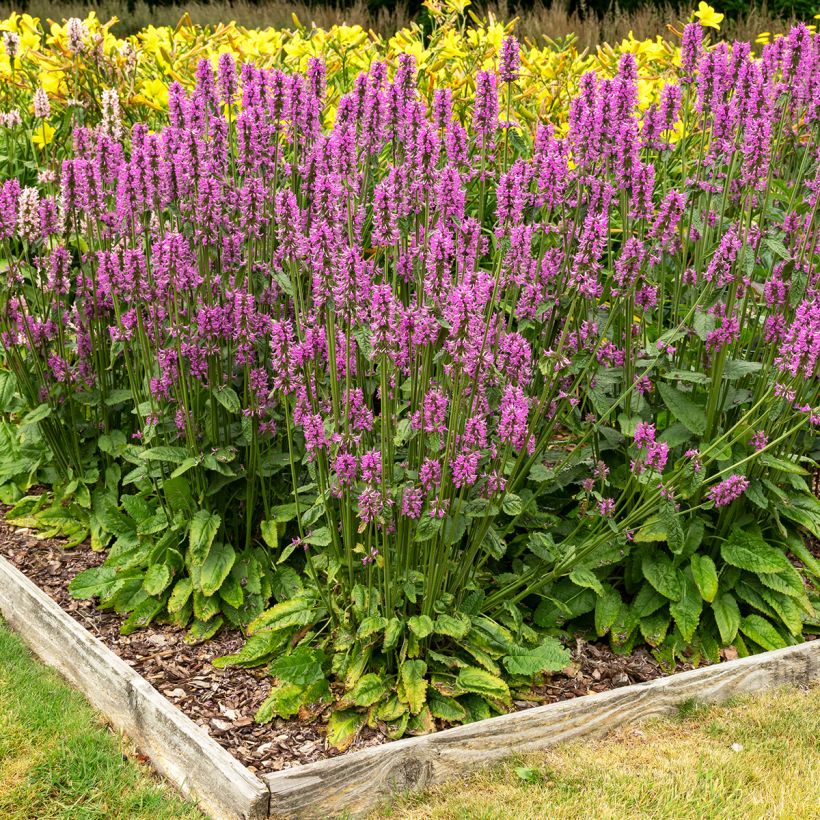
pixel 411 396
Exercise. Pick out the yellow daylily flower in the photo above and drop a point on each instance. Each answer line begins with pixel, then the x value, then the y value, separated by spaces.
pixel 155 92
pixel 43 135
pixel 51 81
pixel 708 17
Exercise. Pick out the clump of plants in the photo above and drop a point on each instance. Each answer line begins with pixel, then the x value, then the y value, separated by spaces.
pixel 410 393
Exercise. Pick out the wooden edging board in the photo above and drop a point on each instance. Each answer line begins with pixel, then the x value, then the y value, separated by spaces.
pixel 354 783
pixel 178 748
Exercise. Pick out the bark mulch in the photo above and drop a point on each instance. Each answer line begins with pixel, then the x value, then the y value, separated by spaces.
pixel 224 702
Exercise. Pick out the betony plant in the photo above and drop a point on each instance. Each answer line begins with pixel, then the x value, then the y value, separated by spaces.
pixel 441 387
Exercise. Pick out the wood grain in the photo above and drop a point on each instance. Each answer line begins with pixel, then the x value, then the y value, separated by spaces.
pixel 177 747
pixel 357 782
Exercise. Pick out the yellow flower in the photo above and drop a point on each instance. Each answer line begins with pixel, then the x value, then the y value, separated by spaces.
pixel 51 81
pixel 154 93
pixel 708 16
pixel 43 135
pixel 457 6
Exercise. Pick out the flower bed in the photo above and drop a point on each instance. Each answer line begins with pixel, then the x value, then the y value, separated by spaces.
pixel 409 391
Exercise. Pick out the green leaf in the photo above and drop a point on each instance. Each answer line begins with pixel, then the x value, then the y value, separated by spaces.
pixel 177 493
pixel 179 597
pixel 371 625
pixel 542 545
pixel 203 630
pixel 694 536
pixel 171 455
pixel 100 581
pixel 216 567
pixel 477 708
pixel 758 629
pixel 529 775
pixel 675 538
pixel 800 551
pixel 157 578
pixel 301 667
pixel 693 376
pixel 270 534
pixel 8 387
pixel 392 709
pixel 284 513
pixel 256 650
pixel 392 633
pixel 550 656
pixel 421 625
pixel 285 583
pixel 647 601
pixel 415 686
pixel 226 396
pixel 453 529
pixel 143 614
pixel 112 443
pixel 787 608
pixel 782 465
pixel 283 701
pixel 369 689
pixel 727 616
pixel 588 579
pixel 705 576
pixel 685 410
pixel 343 727
pixel 655 626
pixel 444 707
pixel 231 591
pixel 493 543
pixel 201 533
pixel 472 679
pixel 39 413
pixel 427 527
pixel 298 611
pixel 661 573
pixel 805 510
pixel 206 606
pixel 512 504
pixel 686 611
pixel 787 581
pixel 454 626
pixel 607 608
pixel 653 530
pixel 750 552
pixel 737 369
pixel 319 538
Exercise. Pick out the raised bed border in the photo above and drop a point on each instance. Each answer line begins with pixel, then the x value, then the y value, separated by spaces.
pixel 179 749
pixel 353 783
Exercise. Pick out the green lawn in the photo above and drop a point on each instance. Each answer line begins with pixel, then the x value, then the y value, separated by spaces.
pixel 758 757
pixel 57 759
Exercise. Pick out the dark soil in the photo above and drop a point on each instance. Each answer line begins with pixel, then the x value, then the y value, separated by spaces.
pixel 224 702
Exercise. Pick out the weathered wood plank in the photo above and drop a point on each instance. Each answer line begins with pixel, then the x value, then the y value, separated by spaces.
pixel 177 747
pixel 356 782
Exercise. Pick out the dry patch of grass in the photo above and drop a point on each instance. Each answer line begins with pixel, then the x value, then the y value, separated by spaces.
pixel 57 760
pixel 757 757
